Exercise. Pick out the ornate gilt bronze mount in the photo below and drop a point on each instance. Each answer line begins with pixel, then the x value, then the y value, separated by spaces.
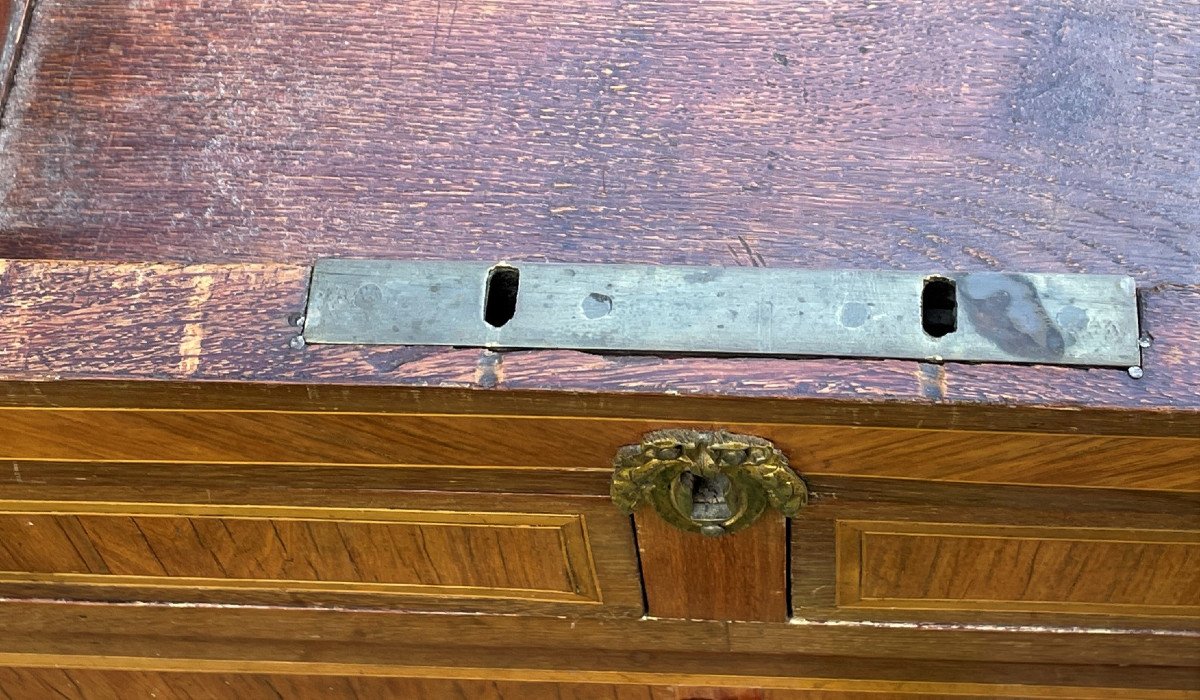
pixel 711 482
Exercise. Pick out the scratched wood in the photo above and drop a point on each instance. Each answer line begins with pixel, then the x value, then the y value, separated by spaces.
pixel 1053 136
pixel 230 144
pixel 200 324
pixel 13 16
pixel 783 650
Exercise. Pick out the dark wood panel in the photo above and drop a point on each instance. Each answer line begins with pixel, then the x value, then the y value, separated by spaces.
pixel 297 439
pixel 1052 135
pixel 686 575
pixel 13 17
pixel 196 326
pixel 886 551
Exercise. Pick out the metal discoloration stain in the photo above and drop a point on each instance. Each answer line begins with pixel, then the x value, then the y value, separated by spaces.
pixel 1007 310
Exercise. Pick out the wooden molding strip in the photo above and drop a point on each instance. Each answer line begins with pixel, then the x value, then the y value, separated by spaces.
pixel 577 676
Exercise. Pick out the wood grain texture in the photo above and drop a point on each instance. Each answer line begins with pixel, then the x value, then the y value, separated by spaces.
pixel 252 441
pixel 92 684
pixel 14 15
pixel 78 477
pixel 686 575
pixel 200 324
pixel 80 678
pixel 721 693
pixel 991 567
pixel 1054 136
pixel 899 690
pixel 590 644
pixel 887 551
pixel 460 552
pixel 470 554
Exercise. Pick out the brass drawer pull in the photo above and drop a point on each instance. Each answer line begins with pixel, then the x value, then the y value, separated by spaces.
pixel 711 482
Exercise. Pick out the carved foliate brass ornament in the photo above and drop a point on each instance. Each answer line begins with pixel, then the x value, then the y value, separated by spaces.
pixel 711 482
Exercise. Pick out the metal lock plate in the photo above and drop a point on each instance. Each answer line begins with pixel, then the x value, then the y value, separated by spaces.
pixel 1060 319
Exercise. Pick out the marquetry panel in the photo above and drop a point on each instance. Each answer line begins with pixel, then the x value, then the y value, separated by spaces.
pixel 211 552
pixel 564 443
pixel 954 566
pixel 904 551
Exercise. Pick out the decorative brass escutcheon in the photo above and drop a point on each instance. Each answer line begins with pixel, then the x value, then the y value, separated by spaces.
pixel 711 482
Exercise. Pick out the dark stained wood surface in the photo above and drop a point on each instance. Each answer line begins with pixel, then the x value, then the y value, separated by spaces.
pixel 13 16
pixel 201 324
pixel 1058 135
pixel 1054 136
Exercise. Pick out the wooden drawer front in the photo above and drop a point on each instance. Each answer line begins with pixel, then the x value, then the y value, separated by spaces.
pixel 887 550
pixel 581 446
pixel 1002 568
pixel 313 554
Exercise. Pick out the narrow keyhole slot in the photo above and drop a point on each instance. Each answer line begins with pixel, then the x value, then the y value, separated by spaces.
pixel 939 306
pixel 500 295
pixel 710 501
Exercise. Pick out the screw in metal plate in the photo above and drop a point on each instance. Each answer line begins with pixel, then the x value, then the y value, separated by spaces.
pixel 1135 372
pixel 1145 341
pixel 297 342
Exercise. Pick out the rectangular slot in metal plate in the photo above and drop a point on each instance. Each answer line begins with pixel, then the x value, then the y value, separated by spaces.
pixel 1063 319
